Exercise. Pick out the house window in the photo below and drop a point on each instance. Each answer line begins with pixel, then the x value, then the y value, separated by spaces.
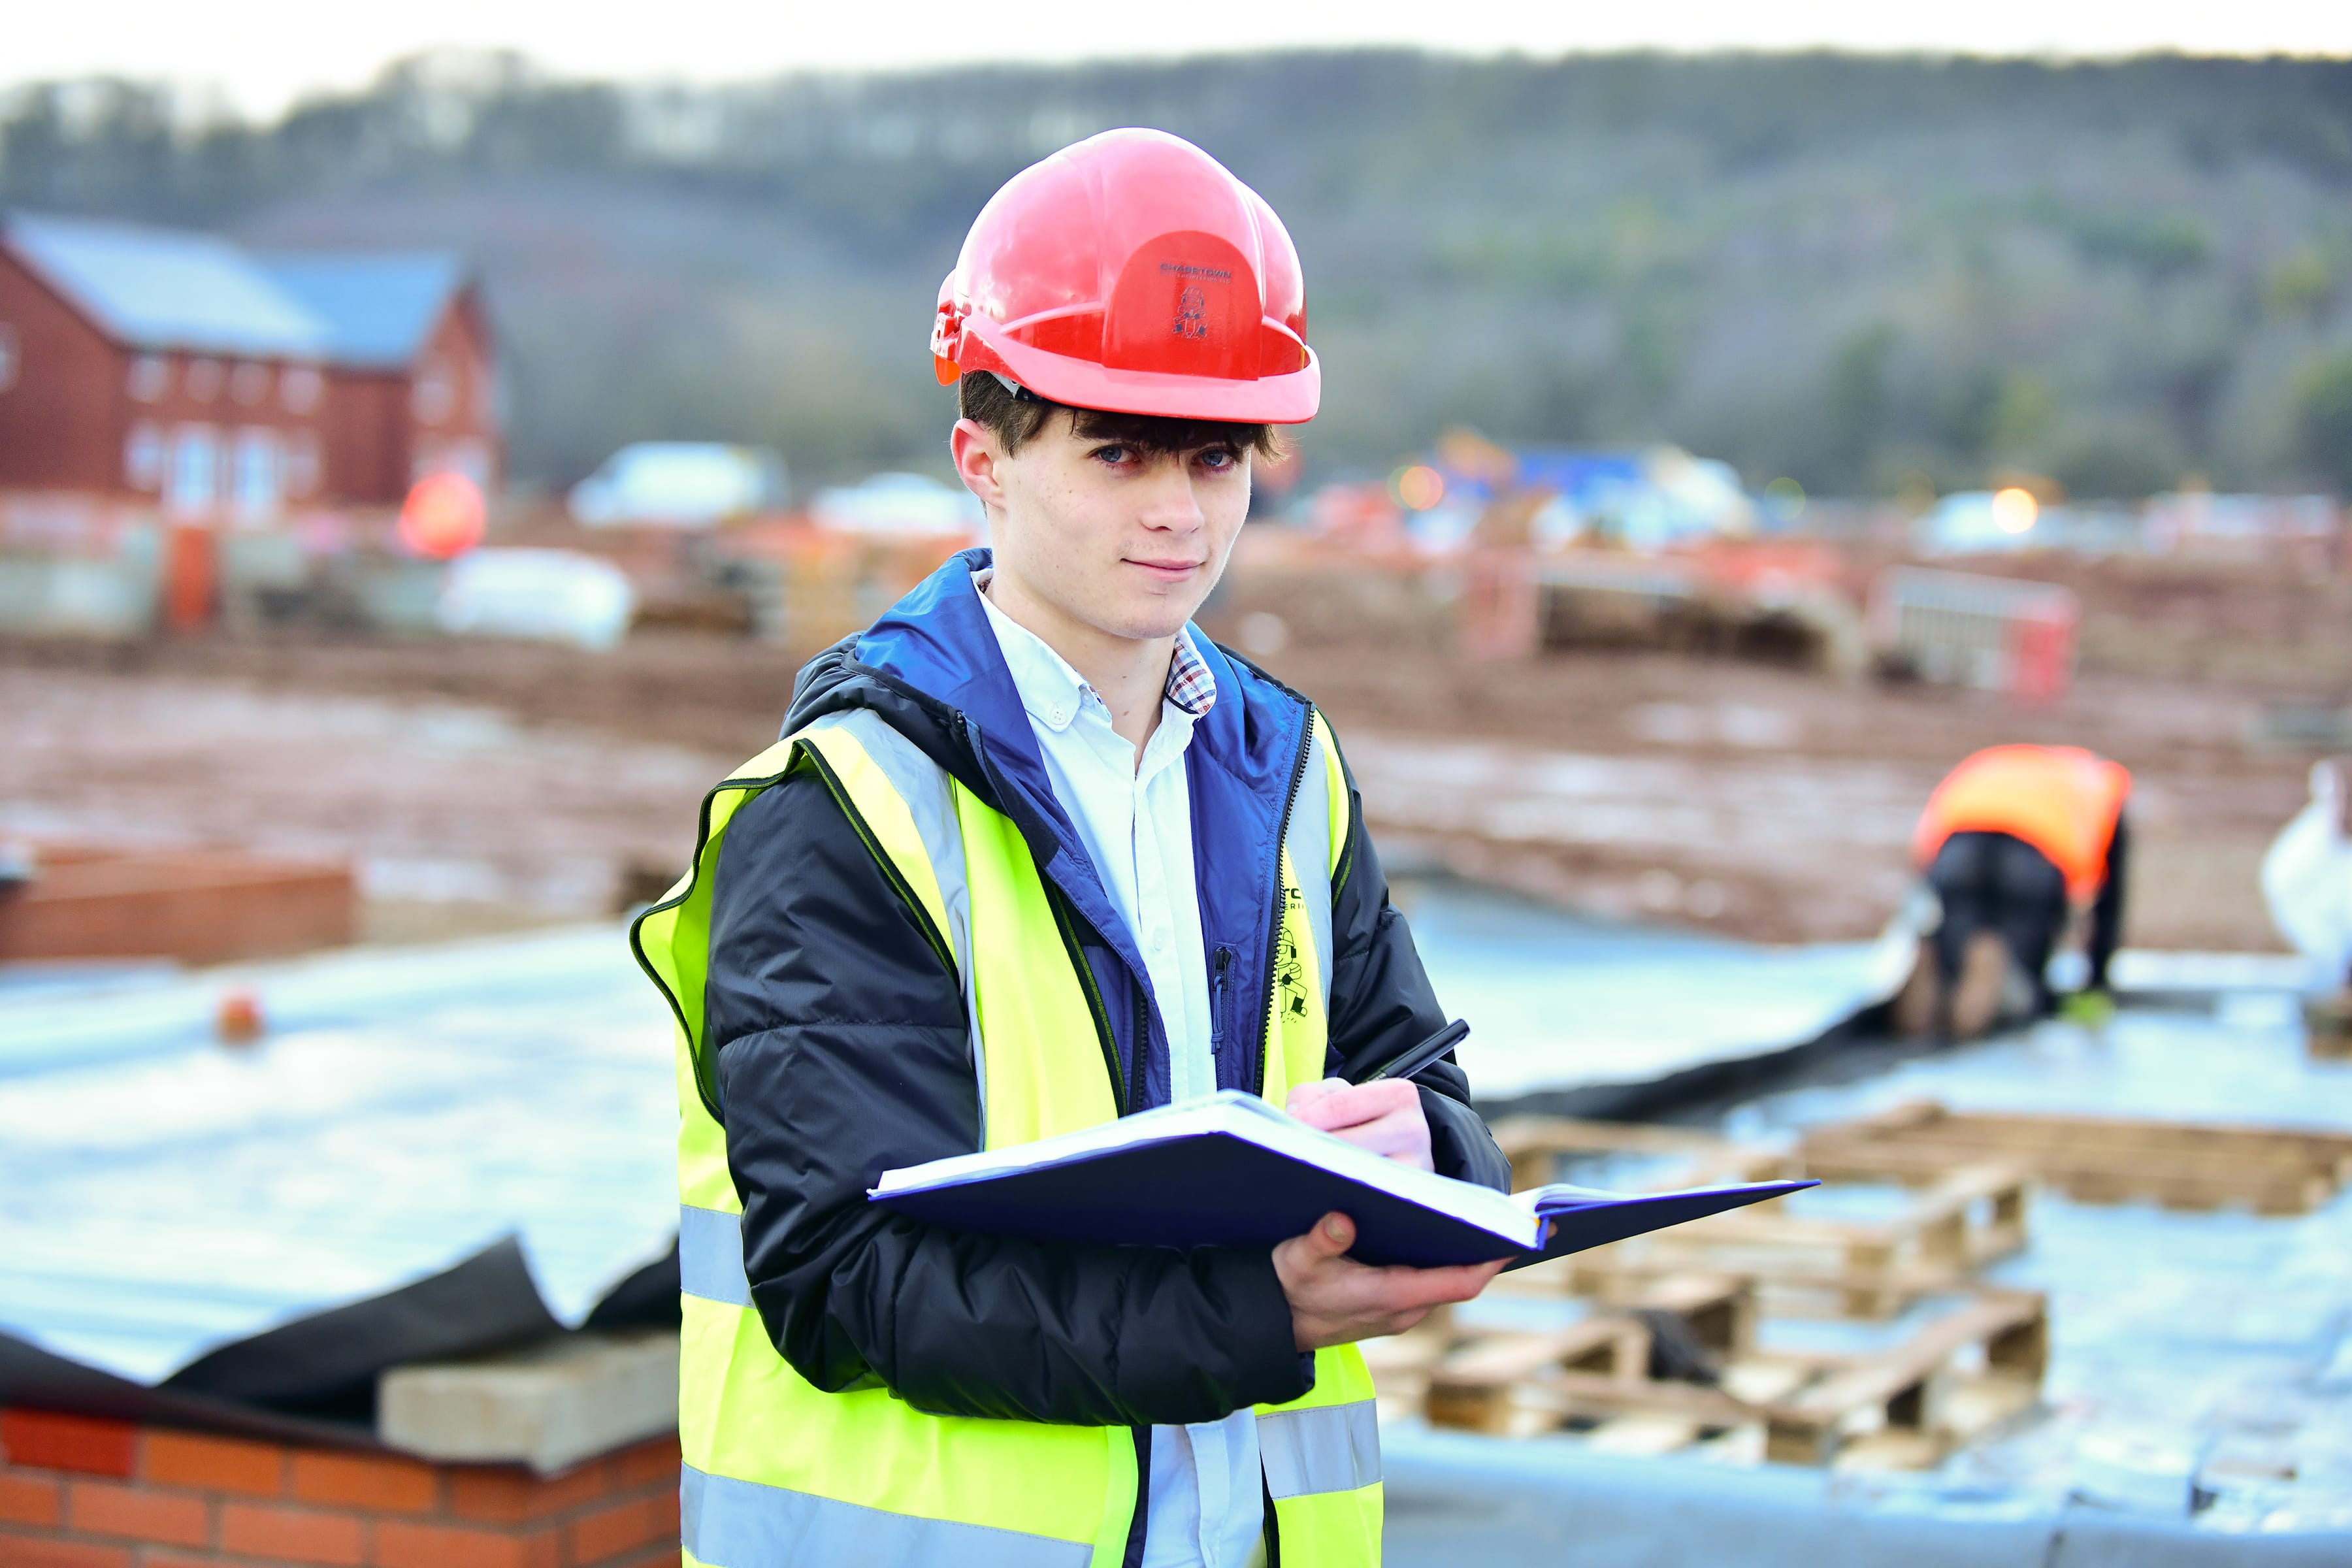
pixel 434 396
pixel 143 457
pixel 151 377
pixel 301 464
pixel 249 384
pixel 204 381
pixel 254 474
pixel 8 356
pixel 195 469
pixel 299 389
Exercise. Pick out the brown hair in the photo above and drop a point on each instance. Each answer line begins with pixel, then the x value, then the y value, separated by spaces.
pixel 1016 418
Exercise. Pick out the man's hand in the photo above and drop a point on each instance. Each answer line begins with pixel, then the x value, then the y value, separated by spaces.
pixel 1335 1300
pixel 1384 1117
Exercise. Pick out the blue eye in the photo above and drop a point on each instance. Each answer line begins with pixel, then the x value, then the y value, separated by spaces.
pixel 1113 454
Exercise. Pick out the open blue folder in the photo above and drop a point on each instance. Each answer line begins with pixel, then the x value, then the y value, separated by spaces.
pixel 1231 1169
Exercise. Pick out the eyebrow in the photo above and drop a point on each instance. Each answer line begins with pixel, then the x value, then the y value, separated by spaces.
pixel 1187 436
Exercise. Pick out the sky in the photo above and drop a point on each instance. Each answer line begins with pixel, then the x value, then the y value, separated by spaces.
pixel 261 55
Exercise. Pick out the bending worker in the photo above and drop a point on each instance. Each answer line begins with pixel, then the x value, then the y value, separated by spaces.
pixel 1033 854
pixel 2016 844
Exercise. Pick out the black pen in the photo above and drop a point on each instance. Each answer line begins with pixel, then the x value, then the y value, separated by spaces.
pixel 1410 1061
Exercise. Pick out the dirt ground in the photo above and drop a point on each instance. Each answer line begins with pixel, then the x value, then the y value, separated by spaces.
pixel 1778 804
pixel 476 781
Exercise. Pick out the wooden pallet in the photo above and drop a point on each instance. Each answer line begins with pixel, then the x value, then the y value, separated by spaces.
pixel 1536 1144
pixel 1465 1379
pixel 1968 1218
pixel 1860 1268
pixel 1923 1392
pixel 2093 1159
pixel 1905 1407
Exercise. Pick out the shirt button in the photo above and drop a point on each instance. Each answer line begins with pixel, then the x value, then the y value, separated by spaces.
pixel 1159 942
pixel 1059 714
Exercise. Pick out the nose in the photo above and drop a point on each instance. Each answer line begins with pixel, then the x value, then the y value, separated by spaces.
pixel 1169 505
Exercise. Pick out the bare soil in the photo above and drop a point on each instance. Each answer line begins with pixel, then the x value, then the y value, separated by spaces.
pixel 1770 802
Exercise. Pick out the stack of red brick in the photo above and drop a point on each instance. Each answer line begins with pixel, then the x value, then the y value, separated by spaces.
pixel 77 1492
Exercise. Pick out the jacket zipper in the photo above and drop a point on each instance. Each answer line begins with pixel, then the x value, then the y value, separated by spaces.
pixel 1273 928
pixel 1223 963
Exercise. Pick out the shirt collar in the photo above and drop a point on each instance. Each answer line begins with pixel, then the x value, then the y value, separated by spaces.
pixel 1053 693
pixel 1191 686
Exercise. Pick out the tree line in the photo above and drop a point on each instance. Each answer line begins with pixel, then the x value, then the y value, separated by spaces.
pixel 1862 273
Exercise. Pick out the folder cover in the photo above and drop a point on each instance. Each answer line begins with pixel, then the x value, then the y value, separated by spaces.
pixel 1231 1169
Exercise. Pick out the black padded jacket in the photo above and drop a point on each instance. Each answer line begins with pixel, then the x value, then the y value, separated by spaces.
pixel 842 1052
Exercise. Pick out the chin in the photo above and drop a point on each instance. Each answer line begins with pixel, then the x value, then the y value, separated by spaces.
pixel 1155 618
pixel 1142 628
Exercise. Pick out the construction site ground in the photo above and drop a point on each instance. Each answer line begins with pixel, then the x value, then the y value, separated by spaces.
pixel 480 785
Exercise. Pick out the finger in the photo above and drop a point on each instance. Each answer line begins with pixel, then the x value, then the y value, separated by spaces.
pixel 1394 1134
pixel 1401 1136
pixel 1328 1111
pixel 1348 1105
pixel 1405 1288
pixel 1307 1094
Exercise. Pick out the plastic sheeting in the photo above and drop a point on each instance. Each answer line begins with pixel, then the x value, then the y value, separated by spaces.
pixel 1500 1504
pixel 1571 1009
pixel 444 1149
pixel 2307 876
pixel 438 1149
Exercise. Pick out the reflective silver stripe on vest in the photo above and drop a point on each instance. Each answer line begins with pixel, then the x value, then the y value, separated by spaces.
pixel 730 1523
pixel 1308 839
pixel 710 1255
pixel 1323 1448
pixel 924 786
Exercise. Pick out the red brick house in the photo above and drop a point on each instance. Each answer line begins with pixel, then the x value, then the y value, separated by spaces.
pixel 145 365
pixel 411 377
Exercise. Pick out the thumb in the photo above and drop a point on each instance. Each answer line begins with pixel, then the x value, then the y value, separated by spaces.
pixel 1332 1235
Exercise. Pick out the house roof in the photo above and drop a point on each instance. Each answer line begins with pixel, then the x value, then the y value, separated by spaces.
pixel 171 289
pixel 379 306
pixel 167 289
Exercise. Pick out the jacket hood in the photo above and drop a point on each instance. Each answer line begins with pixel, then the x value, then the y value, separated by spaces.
pixel 931 669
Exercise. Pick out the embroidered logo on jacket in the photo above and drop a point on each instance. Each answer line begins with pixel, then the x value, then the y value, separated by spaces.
pixel 1289 968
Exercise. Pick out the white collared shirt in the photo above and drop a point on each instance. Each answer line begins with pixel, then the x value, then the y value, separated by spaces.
pixel 1135 816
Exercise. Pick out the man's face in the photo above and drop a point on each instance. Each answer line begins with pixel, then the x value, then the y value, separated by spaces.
pixel 1116 538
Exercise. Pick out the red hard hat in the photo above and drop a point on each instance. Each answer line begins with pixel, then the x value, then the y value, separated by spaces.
pixel 1132 273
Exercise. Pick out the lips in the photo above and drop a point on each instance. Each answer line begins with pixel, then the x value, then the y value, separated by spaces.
pixel 1168 568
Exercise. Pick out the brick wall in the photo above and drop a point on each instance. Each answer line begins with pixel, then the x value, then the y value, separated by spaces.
pixel 77 1492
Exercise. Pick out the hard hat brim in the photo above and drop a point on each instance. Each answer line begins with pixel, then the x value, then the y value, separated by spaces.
pixel 1289 399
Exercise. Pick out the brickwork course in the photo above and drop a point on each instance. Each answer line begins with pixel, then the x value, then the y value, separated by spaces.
pixel 81 1492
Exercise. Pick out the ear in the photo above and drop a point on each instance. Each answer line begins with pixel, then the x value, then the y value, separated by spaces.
pixel 979 460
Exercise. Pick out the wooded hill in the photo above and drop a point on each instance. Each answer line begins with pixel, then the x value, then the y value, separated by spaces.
pixel 1849 271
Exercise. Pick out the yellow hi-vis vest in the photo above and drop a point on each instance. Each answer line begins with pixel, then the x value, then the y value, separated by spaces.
pixel 778 1471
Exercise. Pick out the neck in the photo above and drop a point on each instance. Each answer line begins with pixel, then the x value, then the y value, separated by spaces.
pixel 1130 674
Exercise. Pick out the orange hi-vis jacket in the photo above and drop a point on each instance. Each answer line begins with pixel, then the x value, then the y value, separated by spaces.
pixel 2062 800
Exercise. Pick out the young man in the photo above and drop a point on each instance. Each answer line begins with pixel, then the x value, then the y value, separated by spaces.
pixel 1035 853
